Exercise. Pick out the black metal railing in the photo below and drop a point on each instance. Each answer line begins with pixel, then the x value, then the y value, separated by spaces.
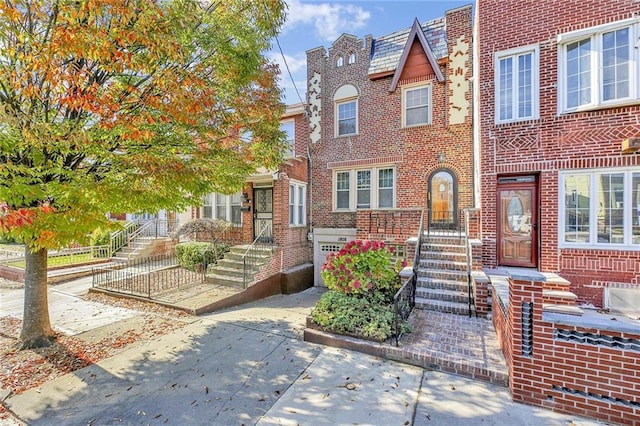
pixel 148 278
pixel 252 256
pixel 445 222
pixel 405 298
pixel 468 251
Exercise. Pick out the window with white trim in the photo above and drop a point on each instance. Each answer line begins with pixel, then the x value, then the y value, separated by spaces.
pixel 340 61
pixel 352 58
pixel 516 84
pixel 372 188
pixel 289 128
pixel 600 208
pixel 224 207
pixel 297 204
pixel 343 182
pixel 347 118
pixel 346 110
pixel 599 66
pixel 417 106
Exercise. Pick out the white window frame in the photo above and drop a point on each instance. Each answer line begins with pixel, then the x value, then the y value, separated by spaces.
pixel 291 139
pixel 594 205
pixel 337 115
pixel 211 201
pixel 514 54
pixel 429 105
pixel 297 204
pixel 374 193
pixel 594 34
pixel 340 61
pixel 352 58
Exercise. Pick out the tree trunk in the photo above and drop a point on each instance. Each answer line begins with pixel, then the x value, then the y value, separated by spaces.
pixel 36 326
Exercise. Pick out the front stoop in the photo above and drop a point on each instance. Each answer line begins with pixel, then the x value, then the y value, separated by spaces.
pixel 443 281
pixel 229 270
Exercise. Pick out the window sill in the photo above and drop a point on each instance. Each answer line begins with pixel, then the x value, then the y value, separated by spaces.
pixel 523 121
pixel 599 107
pixel 346 136
pixel 603 247
pixel 417 125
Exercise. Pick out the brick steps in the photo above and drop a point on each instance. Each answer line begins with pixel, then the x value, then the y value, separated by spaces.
pixel 442 283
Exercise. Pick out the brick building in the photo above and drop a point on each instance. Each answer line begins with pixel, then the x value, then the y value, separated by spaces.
pixel 557 100
pixel 390 122
pixel 272 200
pixel 558 121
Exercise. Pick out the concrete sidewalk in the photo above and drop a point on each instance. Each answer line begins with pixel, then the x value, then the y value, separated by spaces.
pixel 248 365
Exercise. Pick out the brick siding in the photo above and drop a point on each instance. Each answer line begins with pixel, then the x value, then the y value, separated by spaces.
pixel 381 139
pixel 573 141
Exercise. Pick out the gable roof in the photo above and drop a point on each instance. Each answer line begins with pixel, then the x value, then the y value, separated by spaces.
pixel 389 52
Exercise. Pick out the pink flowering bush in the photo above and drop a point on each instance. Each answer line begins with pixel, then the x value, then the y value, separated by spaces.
pixel 362 279
pixel 362 267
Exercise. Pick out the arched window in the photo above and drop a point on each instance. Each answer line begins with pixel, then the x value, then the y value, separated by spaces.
pixel 352 58
pixel 339 61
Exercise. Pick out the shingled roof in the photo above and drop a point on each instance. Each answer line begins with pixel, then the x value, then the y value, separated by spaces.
pixel 388 49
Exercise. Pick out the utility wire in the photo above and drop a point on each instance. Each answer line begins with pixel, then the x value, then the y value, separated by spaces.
pixel 288 70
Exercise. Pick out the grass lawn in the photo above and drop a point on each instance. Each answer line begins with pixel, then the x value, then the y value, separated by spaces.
pixel 56 261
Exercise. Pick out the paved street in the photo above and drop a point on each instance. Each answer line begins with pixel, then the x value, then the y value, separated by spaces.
pixel 248 365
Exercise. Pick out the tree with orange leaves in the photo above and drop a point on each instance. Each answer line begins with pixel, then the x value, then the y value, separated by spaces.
pixel 126 105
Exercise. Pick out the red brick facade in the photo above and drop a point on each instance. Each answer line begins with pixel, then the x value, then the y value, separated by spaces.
pixel 381 139
pixel 569 364
pixel 557 142
pixel 292 245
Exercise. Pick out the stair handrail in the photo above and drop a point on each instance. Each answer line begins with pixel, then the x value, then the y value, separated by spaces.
pixel 120 238
pixel 405 298
pixel 468 253
pixel 249 258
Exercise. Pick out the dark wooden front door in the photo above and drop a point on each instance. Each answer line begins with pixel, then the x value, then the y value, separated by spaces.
pixel 263 213
pixel 517 221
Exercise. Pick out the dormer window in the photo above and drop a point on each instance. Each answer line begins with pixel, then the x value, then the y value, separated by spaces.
pixel 339 61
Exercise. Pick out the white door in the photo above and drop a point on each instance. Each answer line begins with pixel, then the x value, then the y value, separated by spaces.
pixel 321 257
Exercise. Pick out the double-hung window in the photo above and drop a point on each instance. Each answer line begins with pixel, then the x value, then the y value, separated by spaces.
pixel 372 188
pixel 347 118
pixel 297 204
pixel 599 66
pixel 600 208
pixel 516 84
pixel 417 106
pixel 346 110
pixel 224 207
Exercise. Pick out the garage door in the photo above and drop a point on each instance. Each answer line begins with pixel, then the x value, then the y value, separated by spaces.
pixel 321 257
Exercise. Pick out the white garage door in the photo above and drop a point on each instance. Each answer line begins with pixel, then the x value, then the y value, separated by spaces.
pixel 321 257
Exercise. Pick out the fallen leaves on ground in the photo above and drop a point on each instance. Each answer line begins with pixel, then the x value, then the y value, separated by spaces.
pixel 26 369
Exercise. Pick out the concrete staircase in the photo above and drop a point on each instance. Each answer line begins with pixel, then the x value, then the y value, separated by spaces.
pixel 138 248
pixel 442 276
pixel 230 269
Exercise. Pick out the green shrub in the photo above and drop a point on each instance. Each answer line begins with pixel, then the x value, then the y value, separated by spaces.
pixel 100 237
pixel 195 255
pixel 362 316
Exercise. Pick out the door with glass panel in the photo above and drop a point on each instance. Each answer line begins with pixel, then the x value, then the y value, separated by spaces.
pixel 442 200
pixel 517 221
pixel 263 214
